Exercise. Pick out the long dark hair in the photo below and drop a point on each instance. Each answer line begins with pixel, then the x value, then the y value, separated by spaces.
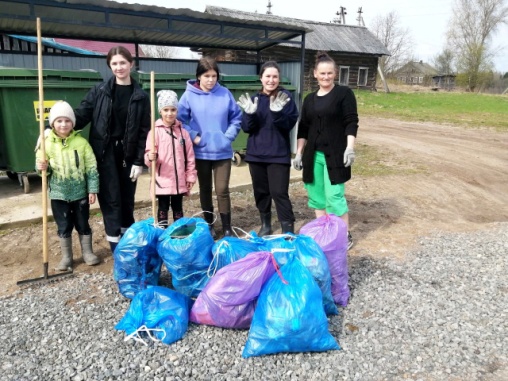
pixel 205 64
pixel 269 65
pixel 122 50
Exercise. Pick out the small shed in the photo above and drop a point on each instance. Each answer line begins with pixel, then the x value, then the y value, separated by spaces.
pixel 444 81
pixel 354 48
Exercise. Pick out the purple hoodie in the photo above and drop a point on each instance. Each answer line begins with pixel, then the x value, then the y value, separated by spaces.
pixel 214 116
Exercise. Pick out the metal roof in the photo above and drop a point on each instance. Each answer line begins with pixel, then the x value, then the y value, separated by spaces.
pixel 56 45
pixel 323 36
pixel 120 22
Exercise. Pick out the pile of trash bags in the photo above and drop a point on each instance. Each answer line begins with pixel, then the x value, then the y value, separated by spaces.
pixel 280 287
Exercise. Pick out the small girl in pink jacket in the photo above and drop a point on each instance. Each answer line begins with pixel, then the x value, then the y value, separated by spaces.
pixel 175 163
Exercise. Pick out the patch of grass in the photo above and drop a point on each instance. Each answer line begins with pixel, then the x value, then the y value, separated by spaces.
pixel 467 109
pixel 370 161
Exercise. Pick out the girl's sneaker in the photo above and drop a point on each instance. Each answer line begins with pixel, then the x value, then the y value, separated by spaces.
pixel 349 240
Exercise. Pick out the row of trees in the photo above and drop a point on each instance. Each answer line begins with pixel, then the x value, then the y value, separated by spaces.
pixel 468 50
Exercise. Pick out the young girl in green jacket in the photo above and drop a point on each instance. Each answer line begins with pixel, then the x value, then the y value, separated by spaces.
pixel 73 182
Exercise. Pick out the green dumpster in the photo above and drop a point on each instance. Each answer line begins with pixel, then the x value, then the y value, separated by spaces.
pixel 241 84
pixel 19 112
pixel 163 81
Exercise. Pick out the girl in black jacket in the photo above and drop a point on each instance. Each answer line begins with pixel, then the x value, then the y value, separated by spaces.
pixel 119 113
pixel 326 139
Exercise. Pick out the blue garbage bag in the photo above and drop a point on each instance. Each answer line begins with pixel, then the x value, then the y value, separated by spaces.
pixel 136 262
pixel 312 257
pixel 289 315
pixel 186 250
pixel 157 311
pixel 230 249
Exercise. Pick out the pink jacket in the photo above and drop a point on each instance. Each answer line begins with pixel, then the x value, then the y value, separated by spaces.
pixel 172 173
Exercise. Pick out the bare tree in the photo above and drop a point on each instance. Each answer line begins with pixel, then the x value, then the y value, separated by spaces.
pixel 397 40
pixel 444 62
pixel 157 51
pixel 473 24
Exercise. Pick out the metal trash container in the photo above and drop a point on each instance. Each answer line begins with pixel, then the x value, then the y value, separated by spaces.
pixel 19 112
pixel 241 84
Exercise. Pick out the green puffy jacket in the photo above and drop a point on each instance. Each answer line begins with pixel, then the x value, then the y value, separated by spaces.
pixel 72 170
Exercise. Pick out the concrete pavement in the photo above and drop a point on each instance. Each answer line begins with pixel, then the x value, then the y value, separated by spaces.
pixel 18 208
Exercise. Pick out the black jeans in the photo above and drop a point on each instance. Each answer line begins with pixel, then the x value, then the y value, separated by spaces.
pixel 271 181
pixel 116 191
pixel 69 215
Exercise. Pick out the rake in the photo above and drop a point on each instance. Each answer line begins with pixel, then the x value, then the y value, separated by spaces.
pixel 45 277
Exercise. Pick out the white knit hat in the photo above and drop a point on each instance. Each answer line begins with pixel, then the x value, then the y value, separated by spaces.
pixel 167 98
pixel 61 109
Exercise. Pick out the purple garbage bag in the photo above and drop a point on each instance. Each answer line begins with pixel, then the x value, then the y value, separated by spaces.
pixel 330 233
pixel 229 298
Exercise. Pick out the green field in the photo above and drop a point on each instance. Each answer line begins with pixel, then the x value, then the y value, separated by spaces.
pixel 471 110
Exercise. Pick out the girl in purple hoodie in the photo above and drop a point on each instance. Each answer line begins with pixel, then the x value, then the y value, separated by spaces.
pixel 210 114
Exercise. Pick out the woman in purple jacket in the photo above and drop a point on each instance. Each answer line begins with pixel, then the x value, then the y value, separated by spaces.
pixel 268 118
pixel 210 114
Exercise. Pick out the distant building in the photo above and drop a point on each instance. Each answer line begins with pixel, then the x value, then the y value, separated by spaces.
pixel 416 73
pixel 444 81
pixel 354 48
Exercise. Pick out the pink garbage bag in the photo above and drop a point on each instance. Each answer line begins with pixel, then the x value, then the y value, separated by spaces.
pixel 330 233
pixel 229 298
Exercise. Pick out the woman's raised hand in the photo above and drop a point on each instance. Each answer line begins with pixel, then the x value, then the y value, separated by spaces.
pixel 246 103
pixel 277 103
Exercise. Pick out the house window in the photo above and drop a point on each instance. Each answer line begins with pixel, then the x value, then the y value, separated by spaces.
pixel 362 76
pixel 420 79
pixel 344 75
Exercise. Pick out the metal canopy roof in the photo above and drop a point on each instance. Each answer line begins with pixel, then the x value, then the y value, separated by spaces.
pixel 120 22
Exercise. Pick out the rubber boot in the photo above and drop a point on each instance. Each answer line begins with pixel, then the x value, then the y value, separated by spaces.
pixel 86 250
pixel 226 224
pixel 287 227
pixel 177 214
pixel 162 218
pixel 209 217
pixel 113 246
pixel 66 248
pixel 266 224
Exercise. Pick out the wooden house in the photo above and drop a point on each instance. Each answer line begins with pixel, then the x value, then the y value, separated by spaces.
pixel 354 48
pixel 416 73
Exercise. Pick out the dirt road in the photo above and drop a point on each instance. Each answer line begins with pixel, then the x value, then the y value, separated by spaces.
pixel 445 179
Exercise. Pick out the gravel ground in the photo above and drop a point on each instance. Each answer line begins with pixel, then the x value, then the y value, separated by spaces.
pixel 441 314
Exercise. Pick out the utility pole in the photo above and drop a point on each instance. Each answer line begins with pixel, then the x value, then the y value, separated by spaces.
pixel 360 17
pixel 269 8
pixel 342 16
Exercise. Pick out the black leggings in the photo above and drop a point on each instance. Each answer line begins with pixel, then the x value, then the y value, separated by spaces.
pixel 166 201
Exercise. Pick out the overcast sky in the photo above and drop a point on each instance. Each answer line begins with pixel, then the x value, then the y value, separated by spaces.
pixel 426 20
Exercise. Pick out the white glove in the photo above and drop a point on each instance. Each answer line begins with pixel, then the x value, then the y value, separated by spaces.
pixel 246 104
pixel 136 170
pixel 277 103
pixel 349 157
pixel 297 162
pixel 47 131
